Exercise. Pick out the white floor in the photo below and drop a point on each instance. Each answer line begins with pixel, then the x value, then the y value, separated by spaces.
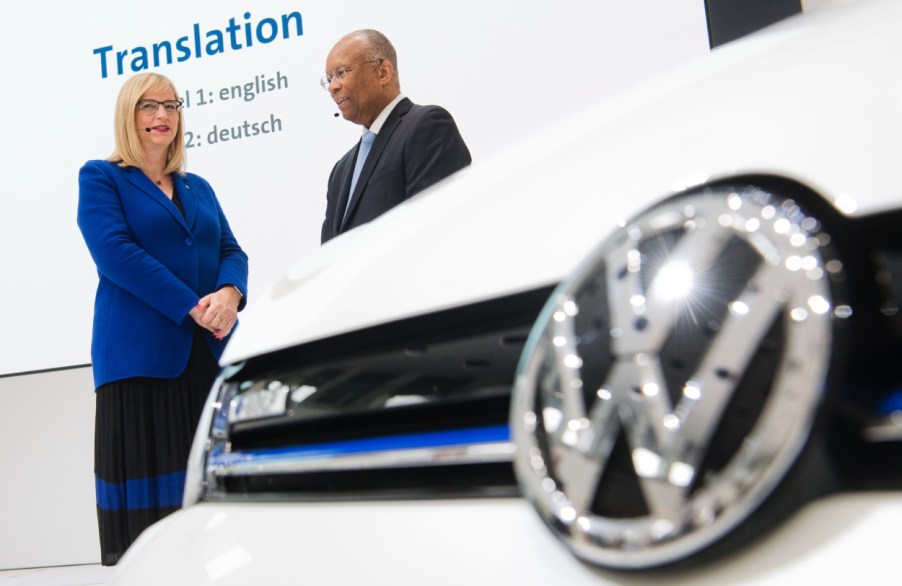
pixel 86 575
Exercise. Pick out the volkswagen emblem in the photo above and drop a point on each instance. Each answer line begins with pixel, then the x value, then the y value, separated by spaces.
pixel 672 381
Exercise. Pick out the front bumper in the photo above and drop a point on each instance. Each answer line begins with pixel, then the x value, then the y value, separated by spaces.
pixel 848 538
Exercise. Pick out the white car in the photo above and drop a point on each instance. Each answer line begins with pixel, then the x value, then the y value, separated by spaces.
pixel 658 340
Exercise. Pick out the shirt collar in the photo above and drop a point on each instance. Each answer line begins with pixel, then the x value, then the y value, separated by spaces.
pixel 377 124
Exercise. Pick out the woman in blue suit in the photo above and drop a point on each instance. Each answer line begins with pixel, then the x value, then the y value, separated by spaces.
pixel 172 278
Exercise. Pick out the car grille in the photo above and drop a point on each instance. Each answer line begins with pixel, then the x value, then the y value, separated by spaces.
pixel 417 407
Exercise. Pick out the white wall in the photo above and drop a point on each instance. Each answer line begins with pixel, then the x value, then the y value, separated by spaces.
pixel 47 514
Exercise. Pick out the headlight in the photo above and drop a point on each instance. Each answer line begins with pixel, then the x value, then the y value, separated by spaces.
pixel 212 433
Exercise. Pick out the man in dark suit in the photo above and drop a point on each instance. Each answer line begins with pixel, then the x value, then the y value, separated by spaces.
pixel 409 146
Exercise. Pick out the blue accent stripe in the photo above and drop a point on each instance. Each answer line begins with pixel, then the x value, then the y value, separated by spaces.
pixel 435 439
pixel 144 493
pixel 891 403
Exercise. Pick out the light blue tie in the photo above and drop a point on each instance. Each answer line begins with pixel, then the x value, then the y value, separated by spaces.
pixel 366 142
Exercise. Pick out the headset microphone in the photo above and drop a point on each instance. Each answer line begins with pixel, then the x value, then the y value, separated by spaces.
pixel 336 114
pixel 147 130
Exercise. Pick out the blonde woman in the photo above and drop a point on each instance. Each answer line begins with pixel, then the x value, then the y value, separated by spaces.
pixel 172 278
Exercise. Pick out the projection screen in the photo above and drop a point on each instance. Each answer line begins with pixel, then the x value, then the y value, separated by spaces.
pixel 259 126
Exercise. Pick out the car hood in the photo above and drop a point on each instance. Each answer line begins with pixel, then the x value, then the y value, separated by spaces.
pixel 773 103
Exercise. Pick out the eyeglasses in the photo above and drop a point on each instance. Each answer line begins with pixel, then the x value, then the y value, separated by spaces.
pixel 151 106
pixel 342 72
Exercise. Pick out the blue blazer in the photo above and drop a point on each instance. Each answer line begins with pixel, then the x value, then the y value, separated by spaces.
pixel 154 265
pixel 416 147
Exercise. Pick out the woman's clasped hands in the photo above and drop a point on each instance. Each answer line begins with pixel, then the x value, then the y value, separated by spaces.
pixel 218 311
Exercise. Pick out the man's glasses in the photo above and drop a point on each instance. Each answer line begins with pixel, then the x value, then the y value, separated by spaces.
pixel 342 72
pixel 151 106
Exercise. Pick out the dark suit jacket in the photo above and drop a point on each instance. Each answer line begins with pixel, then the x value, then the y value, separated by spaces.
pixel 416 147
pixel 153 265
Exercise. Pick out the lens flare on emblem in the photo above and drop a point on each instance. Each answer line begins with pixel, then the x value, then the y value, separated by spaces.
pixel 686 415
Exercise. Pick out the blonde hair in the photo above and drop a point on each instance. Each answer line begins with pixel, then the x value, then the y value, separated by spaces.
pixel 128 152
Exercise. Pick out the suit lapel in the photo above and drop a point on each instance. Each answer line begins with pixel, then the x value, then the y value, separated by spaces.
pixel 144 184
pixel 391 124
pixel 343 193
pixel 188 198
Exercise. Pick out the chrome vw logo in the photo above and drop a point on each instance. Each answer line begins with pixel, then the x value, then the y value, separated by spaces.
pixel 672 381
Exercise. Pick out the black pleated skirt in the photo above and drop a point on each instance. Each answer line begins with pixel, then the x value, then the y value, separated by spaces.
pixel 143 432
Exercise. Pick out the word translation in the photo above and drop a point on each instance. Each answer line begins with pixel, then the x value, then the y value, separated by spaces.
pixel 234 37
